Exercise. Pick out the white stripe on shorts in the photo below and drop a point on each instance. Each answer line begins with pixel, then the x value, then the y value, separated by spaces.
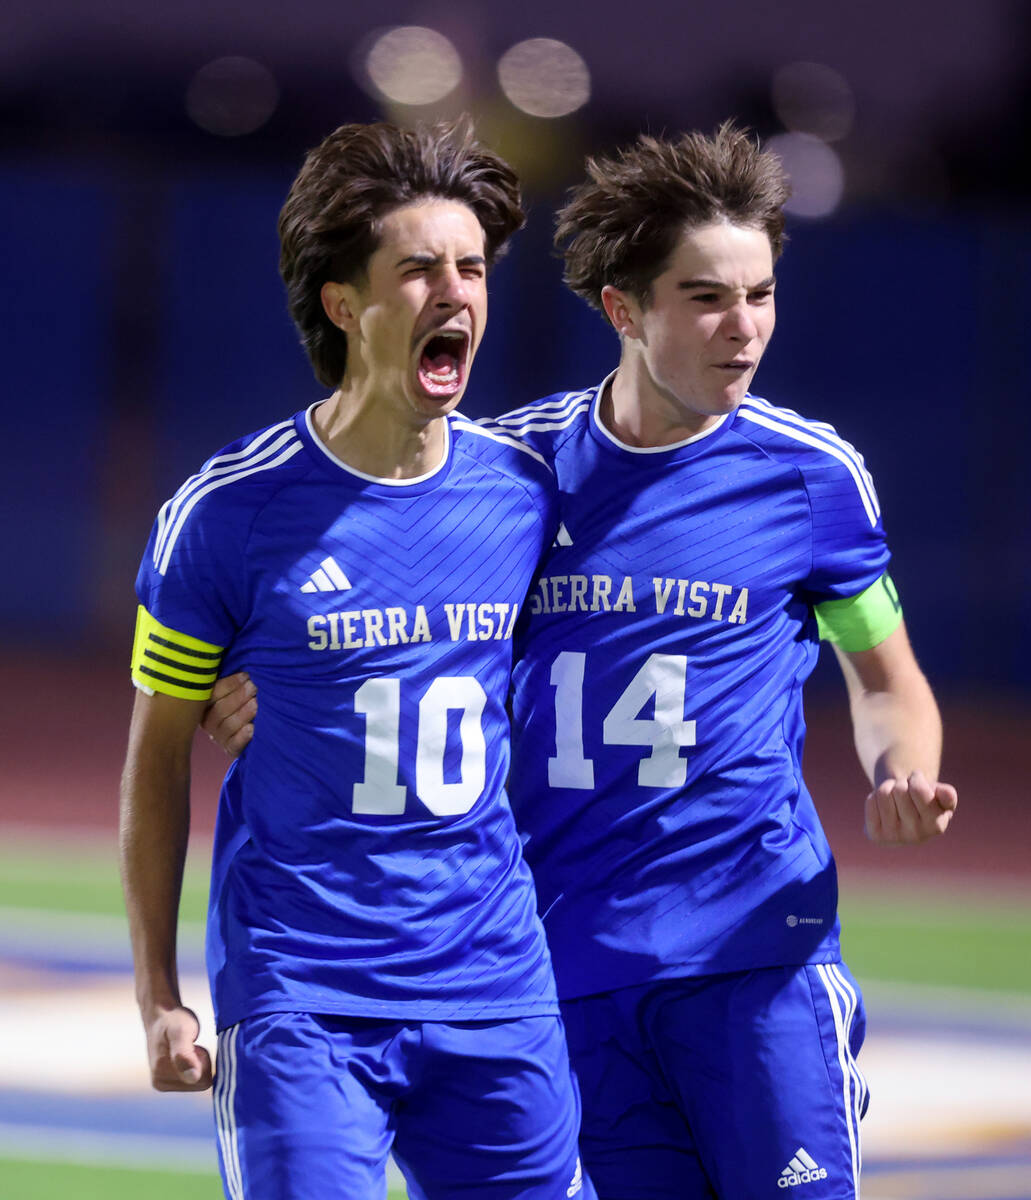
pixel 847 991
pixel 843 1002
pixel 225 1111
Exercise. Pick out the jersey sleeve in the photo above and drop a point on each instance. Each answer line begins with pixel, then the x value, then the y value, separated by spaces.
pixel 849 548
pixel 191 590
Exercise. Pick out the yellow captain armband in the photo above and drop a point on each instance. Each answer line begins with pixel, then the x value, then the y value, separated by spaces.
pixel 172 663
pixel 861 622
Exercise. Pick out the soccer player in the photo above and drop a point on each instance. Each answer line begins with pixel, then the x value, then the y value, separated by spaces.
pixel 380 977
pixel 708 539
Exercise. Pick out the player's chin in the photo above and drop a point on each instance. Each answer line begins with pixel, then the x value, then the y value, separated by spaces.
pixel 731 396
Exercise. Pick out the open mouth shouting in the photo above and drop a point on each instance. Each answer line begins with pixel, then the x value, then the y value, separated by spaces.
pixel 442 363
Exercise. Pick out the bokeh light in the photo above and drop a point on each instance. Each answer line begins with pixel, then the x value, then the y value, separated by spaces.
pixel 815 99
pixel 232 96
pixel 544 77
pixel 816 172
pixel 411 64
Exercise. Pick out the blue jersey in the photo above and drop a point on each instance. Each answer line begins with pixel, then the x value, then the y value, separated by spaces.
pixel 657 706
pixel 366 862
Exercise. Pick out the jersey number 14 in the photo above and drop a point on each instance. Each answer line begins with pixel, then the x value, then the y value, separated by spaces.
pixel 662 678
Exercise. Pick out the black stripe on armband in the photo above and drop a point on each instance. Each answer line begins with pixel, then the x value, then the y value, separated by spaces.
pixel 212 654
pixel 182 683
pixel 206 672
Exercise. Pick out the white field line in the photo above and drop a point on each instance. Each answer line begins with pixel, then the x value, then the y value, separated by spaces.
pixel 84 1038
pixel 933 1095
pixel 933 1092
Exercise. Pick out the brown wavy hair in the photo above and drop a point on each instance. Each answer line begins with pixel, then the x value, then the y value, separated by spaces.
pixel 621 225
pixel 331 222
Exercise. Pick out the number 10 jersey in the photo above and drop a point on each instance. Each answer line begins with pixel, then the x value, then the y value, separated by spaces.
pixel 366 861
pixel 657 706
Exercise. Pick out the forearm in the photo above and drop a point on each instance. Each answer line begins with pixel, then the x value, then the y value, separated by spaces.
pixel 897 731
pixel 153 835
pixel 898 737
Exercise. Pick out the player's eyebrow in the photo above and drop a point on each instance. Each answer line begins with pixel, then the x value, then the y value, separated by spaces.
pixel 714 285
pixel 431 260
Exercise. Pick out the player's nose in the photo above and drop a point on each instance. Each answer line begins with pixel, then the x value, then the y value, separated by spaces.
pixel 452 289
pixel 739 323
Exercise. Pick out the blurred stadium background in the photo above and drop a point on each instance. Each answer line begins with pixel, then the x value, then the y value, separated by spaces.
pixel 145 149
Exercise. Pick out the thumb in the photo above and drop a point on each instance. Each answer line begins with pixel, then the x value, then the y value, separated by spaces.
pixel 187 1064
pixel 919 786
pixel 187 1072
pixel 183 1052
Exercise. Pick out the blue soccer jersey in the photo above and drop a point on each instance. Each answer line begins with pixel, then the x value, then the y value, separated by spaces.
pixel 657 707
pixel 366 861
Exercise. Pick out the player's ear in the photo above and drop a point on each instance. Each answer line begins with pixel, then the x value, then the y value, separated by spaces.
pixel 341 304
pixel 622 310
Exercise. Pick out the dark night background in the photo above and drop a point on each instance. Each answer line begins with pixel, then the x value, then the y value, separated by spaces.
pixel 143 322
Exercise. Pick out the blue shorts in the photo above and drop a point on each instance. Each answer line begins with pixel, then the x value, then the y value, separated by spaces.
pixel 310 1106
pixel 733 1086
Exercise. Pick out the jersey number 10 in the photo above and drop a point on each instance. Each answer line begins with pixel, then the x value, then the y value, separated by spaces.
pixel 662 677
pixel 379 701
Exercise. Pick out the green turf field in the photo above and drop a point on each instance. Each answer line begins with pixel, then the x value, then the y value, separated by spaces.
pixel 46 1181
pixel 21 1180
pixel 67 878
pixel 894 934
pixel 941 937
pixel 898 932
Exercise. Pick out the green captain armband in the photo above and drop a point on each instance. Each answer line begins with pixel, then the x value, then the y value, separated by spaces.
pixel 172 663
pixel 861 622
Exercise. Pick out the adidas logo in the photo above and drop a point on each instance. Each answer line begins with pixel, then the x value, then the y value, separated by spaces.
pixel 801 1169
pixel 328 578
pixel 562 538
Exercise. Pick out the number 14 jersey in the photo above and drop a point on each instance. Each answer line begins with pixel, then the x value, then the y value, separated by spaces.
pixel 657 704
